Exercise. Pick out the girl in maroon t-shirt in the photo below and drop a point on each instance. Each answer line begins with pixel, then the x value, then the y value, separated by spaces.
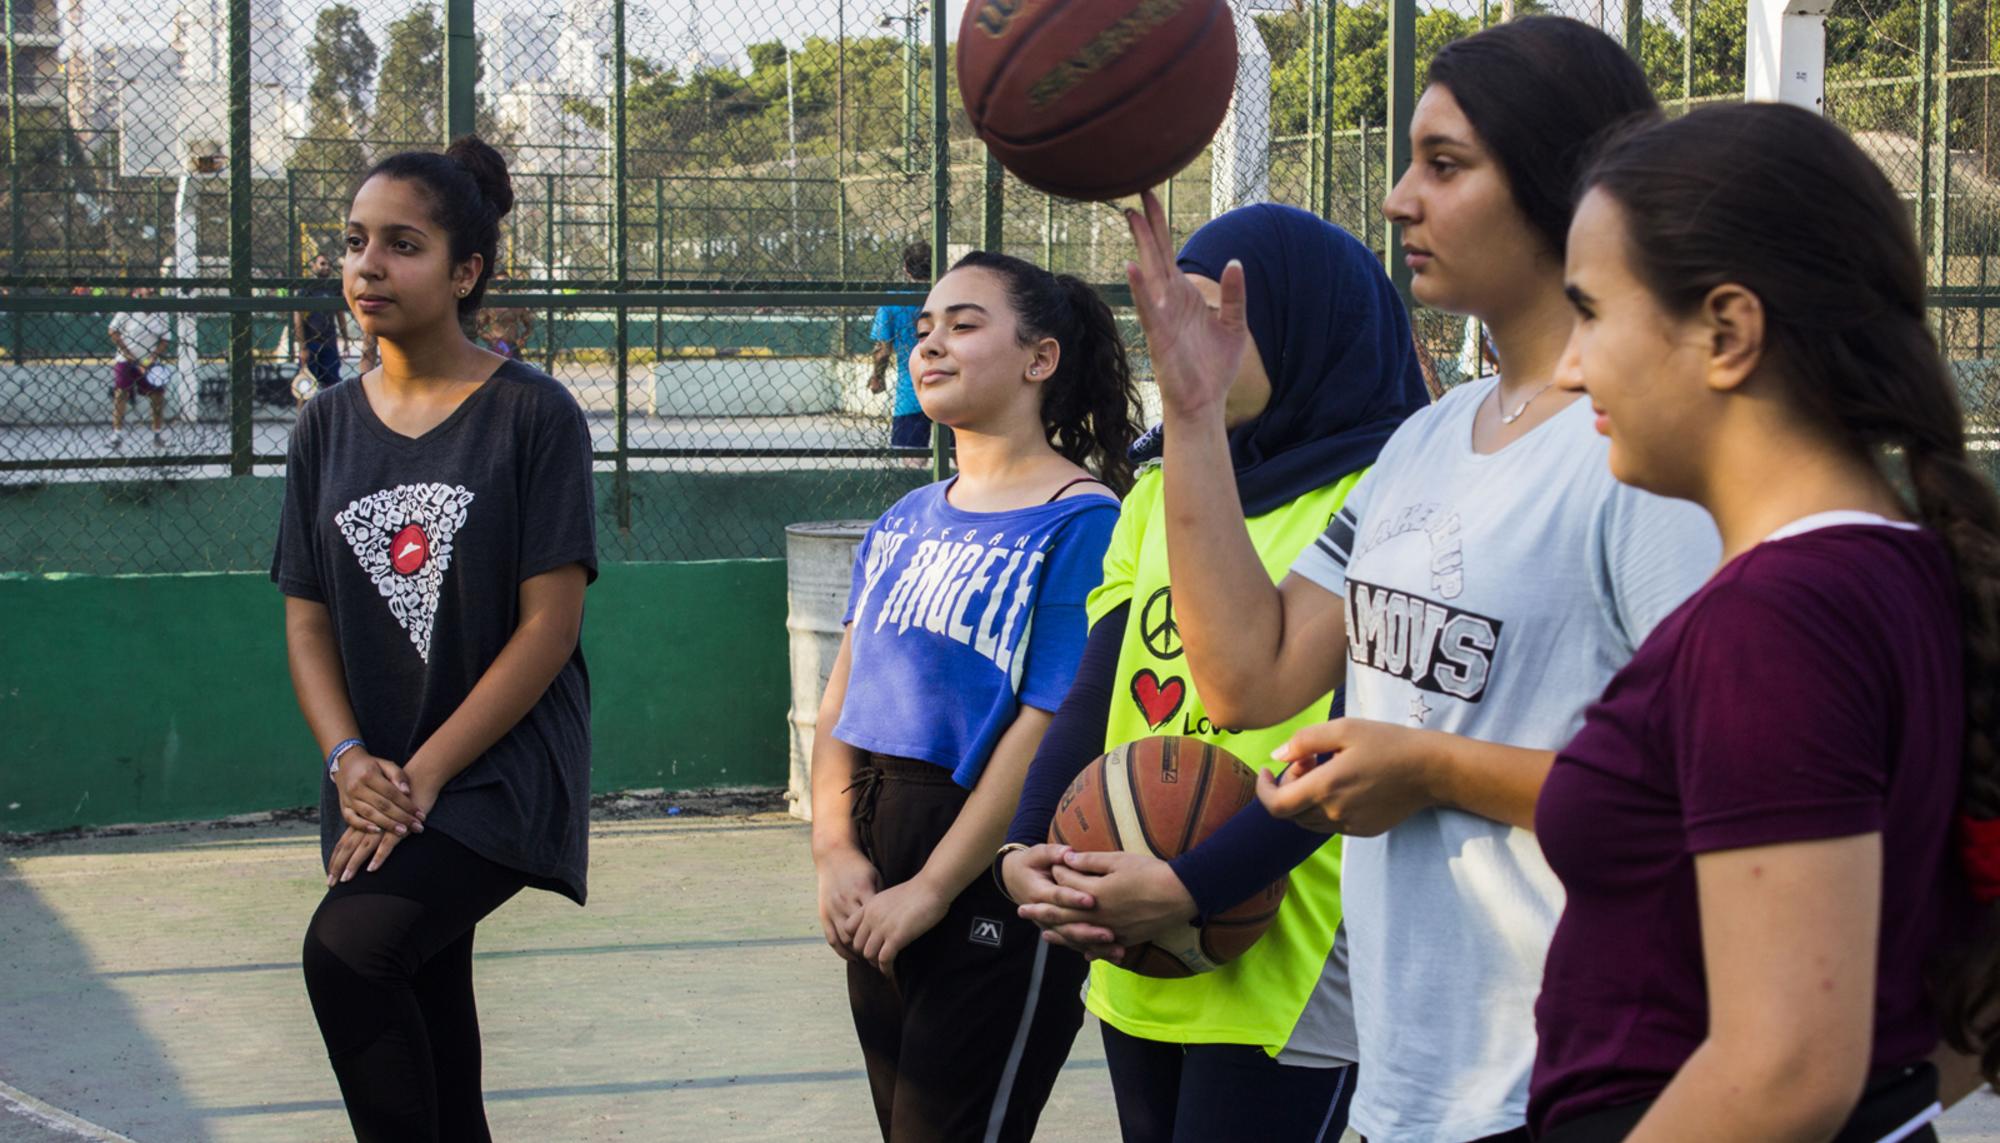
pixel 1755 825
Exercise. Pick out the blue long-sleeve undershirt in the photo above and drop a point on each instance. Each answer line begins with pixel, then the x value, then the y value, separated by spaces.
pixel 1250 851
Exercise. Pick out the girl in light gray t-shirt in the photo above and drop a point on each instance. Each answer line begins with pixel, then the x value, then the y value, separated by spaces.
pixel 1481 585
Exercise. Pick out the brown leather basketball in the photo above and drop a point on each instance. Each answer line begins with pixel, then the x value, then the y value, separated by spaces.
pixel 1163 796
pixel 1096 99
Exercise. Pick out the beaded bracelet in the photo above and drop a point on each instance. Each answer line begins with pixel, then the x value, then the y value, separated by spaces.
pixel 333 756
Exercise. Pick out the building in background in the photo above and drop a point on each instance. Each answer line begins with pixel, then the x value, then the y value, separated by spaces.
pixel 38 70
pixel 100 75
pixel 516 48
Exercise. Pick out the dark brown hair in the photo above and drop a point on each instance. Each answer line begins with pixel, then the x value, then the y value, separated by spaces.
pixel 470 193
pixel 1541 90
pixel 1775 199
pixel 1090 407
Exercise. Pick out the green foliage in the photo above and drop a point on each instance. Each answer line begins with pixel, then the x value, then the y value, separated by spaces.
pixel 716 118
pixel 343 62
pixel 409 105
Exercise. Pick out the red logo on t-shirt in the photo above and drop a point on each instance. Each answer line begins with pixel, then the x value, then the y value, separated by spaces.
pixel 409 550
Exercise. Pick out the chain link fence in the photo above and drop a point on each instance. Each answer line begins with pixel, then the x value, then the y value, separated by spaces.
pixel 713 199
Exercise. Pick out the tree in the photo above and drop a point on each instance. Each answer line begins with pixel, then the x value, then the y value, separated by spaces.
pixel 409 103
pixel 343 63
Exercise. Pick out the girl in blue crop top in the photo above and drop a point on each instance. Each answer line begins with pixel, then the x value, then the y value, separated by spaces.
pixel 964 629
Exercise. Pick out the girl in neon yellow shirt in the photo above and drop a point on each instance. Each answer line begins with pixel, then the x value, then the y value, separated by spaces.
pixel 1263 1046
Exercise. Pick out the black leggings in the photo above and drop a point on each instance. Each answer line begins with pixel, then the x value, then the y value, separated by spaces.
pixel 1221 1093
pixel 388 962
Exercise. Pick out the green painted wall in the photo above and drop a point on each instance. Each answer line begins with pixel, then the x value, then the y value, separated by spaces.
pixel 165 697
pixel 164 525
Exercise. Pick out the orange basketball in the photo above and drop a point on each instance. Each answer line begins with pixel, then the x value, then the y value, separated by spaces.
pixel 1096 99
pixel 1163 796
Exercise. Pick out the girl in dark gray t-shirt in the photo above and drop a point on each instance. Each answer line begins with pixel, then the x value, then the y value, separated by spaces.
pixel 436 540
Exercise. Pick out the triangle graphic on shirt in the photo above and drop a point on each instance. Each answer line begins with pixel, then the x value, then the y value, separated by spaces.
pixel 402 537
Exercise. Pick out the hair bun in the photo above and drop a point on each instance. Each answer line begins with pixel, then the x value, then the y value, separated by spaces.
pixel 488 169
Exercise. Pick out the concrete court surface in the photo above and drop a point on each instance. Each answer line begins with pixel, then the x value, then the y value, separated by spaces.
pixel 149 986
pixel 149 989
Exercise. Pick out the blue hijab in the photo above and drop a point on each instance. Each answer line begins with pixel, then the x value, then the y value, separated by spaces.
pixel 1334 337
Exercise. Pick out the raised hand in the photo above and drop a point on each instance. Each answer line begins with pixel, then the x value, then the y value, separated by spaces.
pixel 1195 349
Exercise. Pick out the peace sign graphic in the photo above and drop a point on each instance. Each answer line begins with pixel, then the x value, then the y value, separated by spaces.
pixel 1157 626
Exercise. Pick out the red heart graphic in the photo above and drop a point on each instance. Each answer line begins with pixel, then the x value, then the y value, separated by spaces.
pixel 1158 701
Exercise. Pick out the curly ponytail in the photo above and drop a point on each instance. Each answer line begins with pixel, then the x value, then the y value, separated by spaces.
pixel 1709 199
pixel 1090 407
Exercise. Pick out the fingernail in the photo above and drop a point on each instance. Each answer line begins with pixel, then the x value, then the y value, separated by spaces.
pixel 346 874
pixel 402 830
pixel 1236 262
pixel 403 786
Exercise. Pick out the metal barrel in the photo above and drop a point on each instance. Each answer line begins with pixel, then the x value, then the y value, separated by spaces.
pixel 819 568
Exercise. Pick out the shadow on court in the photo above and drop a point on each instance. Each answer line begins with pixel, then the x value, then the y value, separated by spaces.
pixel 70 1037
pixel 151 986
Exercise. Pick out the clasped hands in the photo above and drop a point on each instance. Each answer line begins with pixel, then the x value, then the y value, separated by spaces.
pixel 866 923
pixel 382 803
pixel 1098 904
pixel 1375 775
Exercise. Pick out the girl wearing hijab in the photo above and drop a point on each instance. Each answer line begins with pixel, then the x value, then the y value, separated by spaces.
pixel 1262 1047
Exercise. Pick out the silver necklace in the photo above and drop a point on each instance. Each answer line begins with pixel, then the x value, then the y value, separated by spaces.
pixel 1507 418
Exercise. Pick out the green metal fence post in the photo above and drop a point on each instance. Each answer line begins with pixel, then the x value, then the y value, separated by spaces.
pixel 621 261
pixel 1635 28
pixel 840 226
pixel 1049 225
pixel 1362 151
pixel 16 230
pixel 659 257
pixel 1927 115
pixel 940 204
pixel 1939 139
pixel 292 252
pixel 1396 147
pixel 910 40
pixel 993 206
pixel 1687 55
pixel 461 68
pixel 549 271
pixel 240 344
pixel 1329 16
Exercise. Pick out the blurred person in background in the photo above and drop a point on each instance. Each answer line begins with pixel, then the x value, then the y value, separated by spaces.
pixel 895 332
pixel 140 341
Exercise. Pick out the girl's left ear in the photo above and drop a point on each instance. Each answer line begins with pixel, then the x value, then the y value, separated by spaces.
pixel 1048 355
pixel 1734 317
pixel 467 274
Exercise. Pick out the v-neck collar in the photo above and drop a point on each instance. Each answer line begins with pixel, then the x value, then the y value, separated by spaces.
pixel 381 429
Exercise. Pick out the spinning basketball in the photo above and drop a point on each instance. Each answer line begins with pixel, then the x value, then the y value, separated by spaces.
pixel 1163 796
pixel 1096 99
